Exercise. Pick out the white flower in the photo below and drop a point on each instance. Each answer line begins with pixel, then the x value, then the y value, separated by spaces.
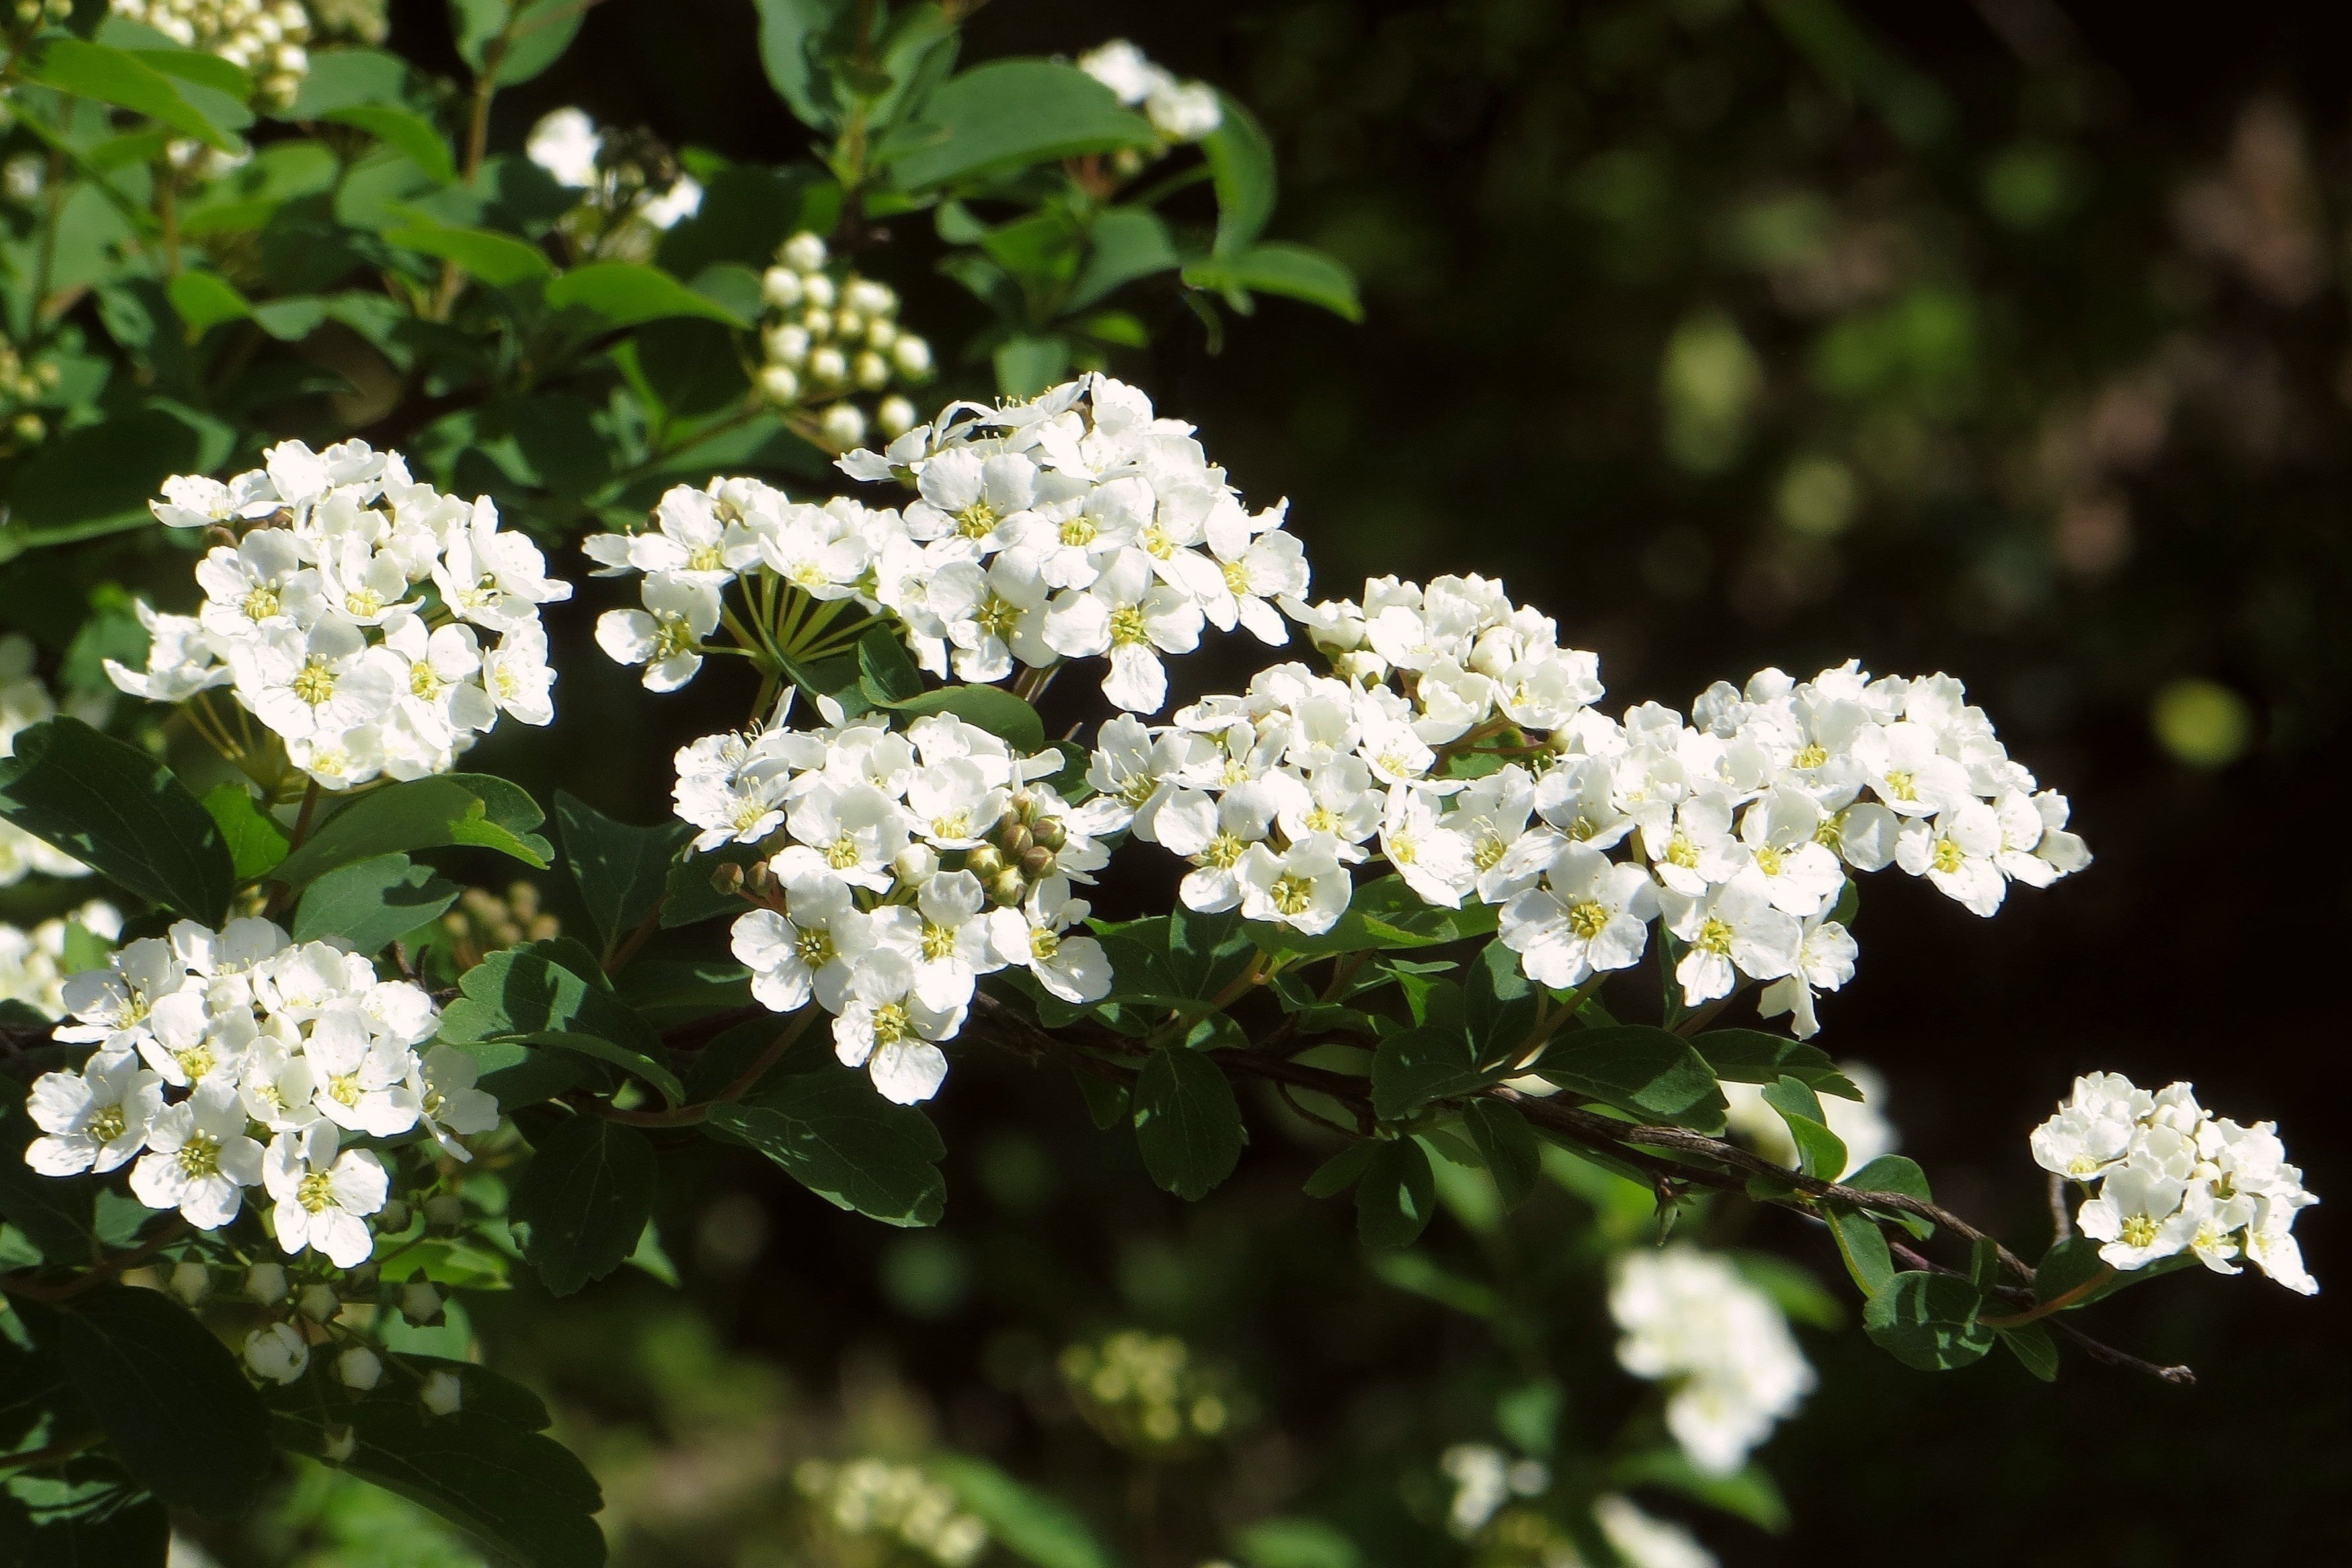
pixel 260 584
pixel 1592 915
pixel 565 143
pixel 1132 617
pixel 811 951
pixel 1434 860
pixel 278 1352
pixel 1958 855
pixel 2138 1214
pixel 1690 1319
pixel 853 833
pixel 363 1082
pixel 94 1119
pixel 887 1029
pixel 1074 968
pixel 199 1160
pixel 447 1104
pixel 1825 956
pixel 323 1198
pixel 517 677
pixel 2272 1248
pixel 666 635
pixel 1732 930
pixel 1304 886
pixel 320 682
pixel 492 577
pixel 1642 1542
pixel 1799 876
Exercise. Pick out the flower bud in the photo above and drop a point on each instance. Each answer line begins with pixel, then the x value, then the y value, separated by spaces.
pixel 984 862
pixel 359 1368
pixel 1049 832
pixel 1362 666
pixel 916 863
pixel 874 299
pixel 319 1302
pixel 895 416
pixel 818 290
pixel 787 346
pixel 781 287
pixel 828 366
pixel 881 334
pixel 843 426
pixel 340 1443
pixel 191 1281
pixel 912 356
pixel 442 1393
pixel 419 1302
pixel 804 252
pixel 780 385
pixel 393 1217
pixel 1008 888
pixel 265 1283
pixel 848 325
pixel 1038 864
pixel 445 1209
pixel 277 1351
pixel 727 879
pixel 1016 842
pixel 870 371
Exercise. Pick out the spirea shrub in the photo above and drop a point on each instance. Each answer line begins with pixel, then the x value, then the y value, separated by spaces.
pixel 294 1065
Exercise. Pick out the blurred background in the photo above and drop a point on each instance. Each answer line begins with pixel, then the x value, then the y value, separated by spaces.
pixel 2008 338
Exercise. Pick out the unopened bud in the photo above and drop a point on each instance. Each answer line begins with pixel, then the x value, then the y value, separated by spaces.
pixel 340 1445
pixel 894 416
pixel 319 1302
pixel 192 1281
pixel 870 371
pixel 818 290
pixel 277 1351
pixel 984 862
pixel 1017 842
pixel 445 1209
pixel 779 384
pixel 419 1302
pixel 265 1283
pixel 1008 888
pixel 912 356
pixel 828 365
pixel 359 1368
pixel 1049 832
pixel 442 1393
pixel 727 879
pixel 780 287
pixel 804 252
pixel 1024 805
pixel 393 1217
pixel 843 426
pixel 1038 864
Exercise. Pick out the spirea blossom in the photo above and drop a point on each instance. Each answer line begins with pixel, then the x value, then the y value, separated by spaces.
pixel 1076 526
pixel 893 869
pixel 2165 1177
pixel 1179 110
pixel 266 38
pixel 1456 738
pixel 375 626
pixel 238 1065
pixel 1734 1369
pixel 832 338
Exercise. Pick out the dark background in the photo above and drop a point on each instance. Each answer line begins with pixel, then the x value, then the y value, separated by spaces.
pixel 2060 292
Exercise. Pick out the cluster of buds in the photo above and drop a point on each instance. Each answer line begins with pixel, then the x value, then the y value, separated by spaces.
pixel 23 383
pixel 264 39
pixel 484 923
pixel 31 14
pixel 873 1498
pixel 1143 1392
pixel 833 334
pixel 1023 850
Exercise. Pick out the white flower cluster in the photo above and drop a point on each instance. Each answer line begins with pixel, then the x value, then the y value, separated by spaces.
pixel 872 1496
pixel 1861 1125
pixel 896 869
pixel 22 387
pixel 206 1038
pixel 1458 733
pixel 33 963
pixel 567 144
pixel 1690 1320
pixel 349 613
pixel 1485 1478
pixel 2166 1177
pixel 1179 110
pixel 266 38
pixel 832 334
pixel 24 702
pixel 1072 526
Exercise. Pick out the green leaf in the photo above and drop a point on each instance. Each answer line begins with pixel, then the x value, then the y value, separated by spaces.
pixel 1107 1102
pixel 622 872
pixel 523 994
pixel 339 78
pixel 841 1139
pixel 1293 1541
pixel 1507 1145
pixel 499 260
pixel 1009 114
pixel 2075 1262
pixel 1124 245
pixel 120 812
pixel 1241 161
pixel 535 35
pixel 1649 1072
pixel 124 1528
pixel 520 1493
pixel 476 810
pixel 203 300
pixel 1413 1066
pixel 255 843
pixel 1187 1122
pixel 1498 1004
pixel 1896 1173
pixel 1295 271
pixel 625 293
pixel 370 904
pixel 1820 1152
pixel 991 707
pixel 414 138
pixel 1337 1173
pixel 171 1399
pixel 1928 1322
pixel 1396 1196
pixel 1753 1056
pixel 1028 1523
pixel 587 1196
pixel 883 668
pixel 1028 362
pixel 122 79
pixel 788 30
pixel 204 69
pixel 1862 1246
pixel 2031 1343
